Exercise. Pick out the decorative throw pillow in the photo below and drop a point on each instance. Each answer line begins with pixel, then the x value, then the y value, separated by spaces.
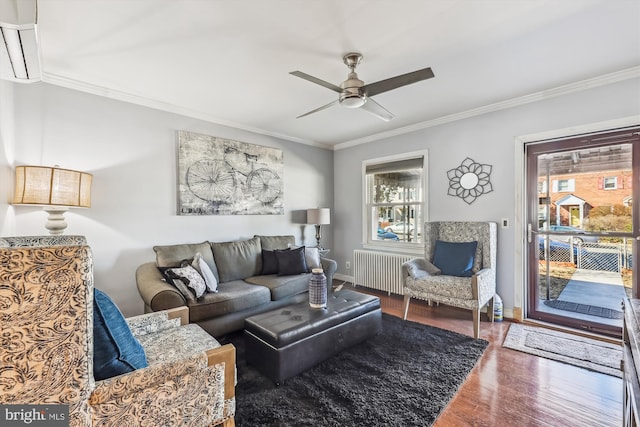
pixel 190 277
pixel 270 262
pixel 291 261
pixel 115 350
pixel 312 257
pixel 421 268
pixel 209 278
pixel 177 283
pixel 455 258
pixel 272 243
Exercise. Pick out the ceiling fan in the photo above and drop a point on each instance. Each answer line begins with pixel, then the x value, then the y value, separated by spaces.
pixel 353 93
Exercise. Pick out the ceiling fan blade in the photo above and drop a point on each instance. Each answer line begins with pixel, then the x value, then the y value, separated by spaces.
pixel 316 81
pixel 319 109
pixel 377 110
pixel 397 81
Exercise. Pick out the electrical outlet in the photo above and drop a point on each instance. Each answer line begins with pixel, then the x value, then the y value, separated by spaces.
pixel 348 265
pixel 505 222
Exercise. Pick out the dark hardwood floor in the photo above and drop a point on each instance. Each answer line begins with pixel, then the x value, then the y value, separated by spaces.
pixel 511 388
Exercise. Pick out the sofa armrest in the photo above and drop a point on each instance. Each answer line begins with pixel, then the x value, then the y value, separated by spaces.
pixel 329 266
pixel 156 293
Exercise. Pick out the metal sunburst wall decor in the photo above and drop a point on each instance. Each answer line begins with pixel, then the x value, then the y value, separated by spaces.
pixel 470 180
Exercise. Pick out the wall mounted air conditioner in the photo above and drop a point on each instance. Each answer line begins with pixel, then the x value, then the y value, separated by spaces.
pixel 19 55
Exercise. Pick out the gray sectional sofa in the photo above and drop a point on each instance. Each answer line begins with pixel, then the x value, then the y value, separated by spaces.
pixel 248 281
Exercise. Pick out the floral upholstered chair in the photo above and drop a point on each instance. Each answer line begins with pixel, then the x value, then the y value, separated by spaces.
pixel 47 338
pixel 458 269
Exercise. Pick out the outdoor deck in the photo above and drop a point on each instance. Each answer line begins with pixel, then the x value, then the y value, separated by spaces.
pixel 597 292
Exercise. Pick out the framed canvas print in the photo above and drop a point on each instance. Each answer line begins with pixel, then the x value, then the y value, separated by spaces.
pixel 218 176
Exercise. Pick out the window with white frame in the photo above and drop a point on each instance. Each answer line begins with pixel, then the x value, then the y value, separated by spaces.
pixel 610 183
pixel 395 200
pixel 564 185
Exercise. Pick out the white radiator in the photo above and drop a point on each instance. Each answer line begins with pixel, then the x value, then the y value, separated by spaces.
pixel 378 270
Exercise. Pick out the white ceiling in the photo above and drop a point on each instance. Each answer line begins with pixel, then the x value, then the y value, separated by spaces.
pixel 229 61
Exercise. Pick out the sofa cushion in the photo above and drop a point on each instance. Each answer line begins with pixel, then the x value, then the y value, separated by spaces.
pixel 231 297
pixel 282 286
pixel 173 255
pixel 291 261
pixel 271 243
pixel 455 258
pixel 238 259
pixel 115 350
pixel 456 288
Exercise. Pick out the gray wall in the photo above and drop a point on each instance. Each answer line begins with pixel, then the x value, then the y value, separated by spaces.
pixel 131 151
pixel 488 138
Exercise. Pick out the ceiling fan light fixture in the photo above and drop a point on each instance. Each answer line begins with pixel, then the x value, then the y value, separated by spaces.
pixel 355 94
pixel 352 101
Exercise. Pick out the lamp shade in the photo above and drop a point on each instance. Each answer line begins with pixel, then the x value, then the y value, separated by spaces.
pixel 52 186
pixel 319 216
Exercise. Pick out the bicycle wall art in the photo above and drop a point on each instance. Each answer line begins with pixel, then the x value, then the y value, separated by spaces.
pixel 218 176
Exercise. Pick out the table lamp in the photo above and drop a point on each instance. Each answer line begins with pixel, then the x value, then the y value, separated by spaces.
pixel 55 189
pixel 318 217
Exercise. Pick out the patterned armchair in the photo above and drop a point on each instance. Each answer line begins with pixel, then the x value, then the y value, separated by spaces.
pixel 424 280
pixel 46 335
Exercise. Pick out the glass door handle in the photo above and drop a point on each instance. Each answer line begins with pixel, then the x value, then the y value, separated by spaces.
pixel 529 232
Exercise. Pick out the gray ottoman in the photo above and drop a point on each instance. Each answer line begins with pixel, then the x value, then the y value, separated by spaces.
pixel 284 342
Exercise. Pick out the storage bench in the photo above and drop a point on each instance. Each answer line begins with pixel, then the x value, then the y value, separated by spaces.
pixel 284 342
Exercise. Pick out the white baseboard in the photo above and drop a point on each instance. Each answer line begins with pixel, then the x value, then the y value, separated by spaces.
pixel 343 277
pixel 507 313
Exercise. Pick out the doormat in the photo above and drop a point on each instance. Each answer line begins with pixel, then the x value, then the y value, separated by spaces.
pixel 598 356
pixel 591 310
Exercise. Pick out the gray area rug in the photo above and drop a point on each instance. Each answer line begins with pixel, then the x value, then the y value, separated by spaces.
pixel 591 310
pixel 404 376
pixel 575 350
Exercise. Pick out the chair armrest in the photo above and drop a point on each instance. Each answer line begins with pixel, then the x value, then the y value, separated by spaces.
pixel 170 393
pixel 227 355
pixel 484 274
pixel 484 285
pixel 143 381
pixel 158 321
pixel 419 268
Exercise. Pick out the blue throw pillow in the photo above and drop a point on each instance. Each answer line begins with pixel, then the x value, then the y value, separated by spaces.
pixel 454 258
pixel 115 350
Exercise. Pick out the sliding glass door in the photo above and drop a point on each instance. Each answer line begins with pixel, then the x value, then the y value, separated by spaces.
pixel 582 229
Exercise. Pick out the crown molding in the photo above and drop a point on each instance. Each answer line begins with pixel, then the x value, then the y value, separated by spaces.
pixel 94 89
pixel 629 73
pixel 594 82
